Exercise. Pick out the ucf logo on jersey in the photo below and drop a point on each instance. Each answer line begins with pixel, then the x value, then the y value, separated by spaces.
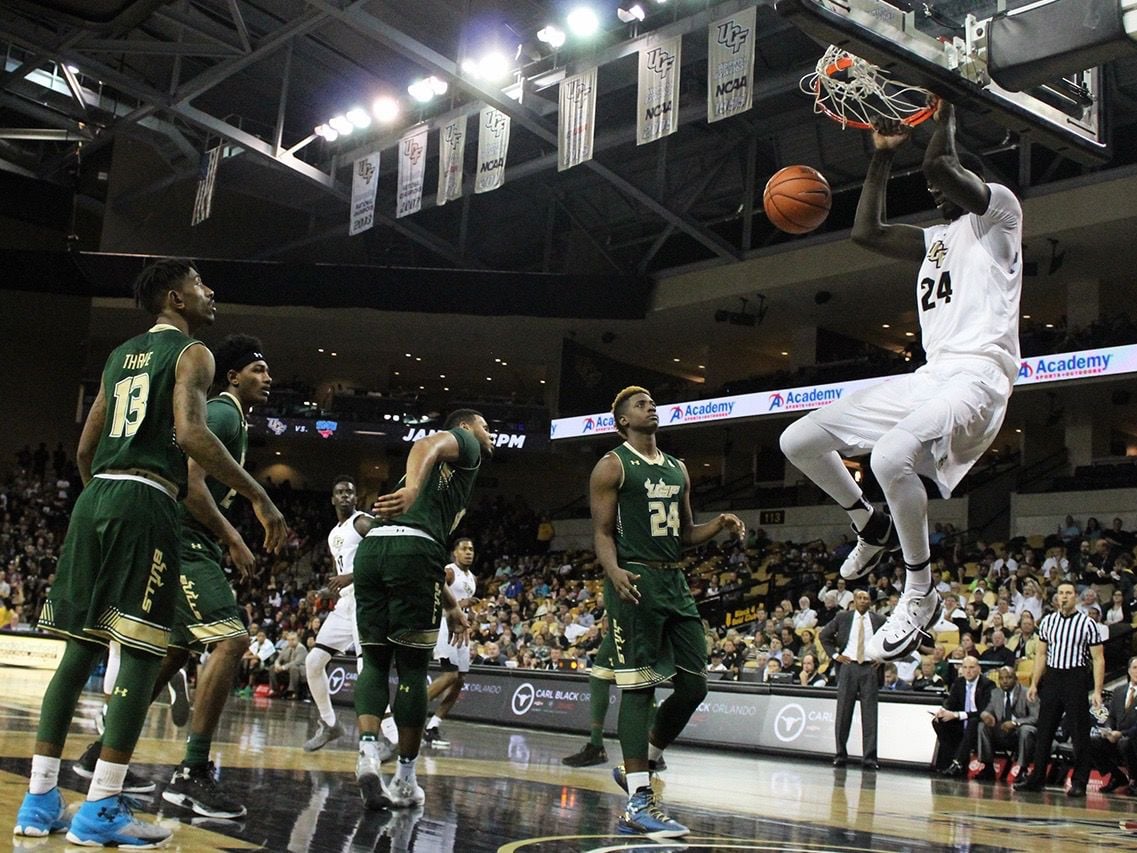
pixel 937 253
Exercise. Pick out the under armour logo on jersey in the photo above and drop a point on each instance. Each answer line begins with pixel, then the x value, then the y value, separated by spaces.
pixel 120 691
pixel 635 461
pixel 937 253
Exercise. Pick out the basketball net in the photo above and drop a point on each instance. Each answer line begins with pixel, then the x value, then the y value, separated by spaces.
pixel 853 92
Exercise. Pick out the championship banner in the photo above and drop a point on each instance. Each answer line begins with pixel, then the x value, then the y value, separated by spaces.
pixel 493 145
pixel 730 65
pixel 364 183
pixel 577 119
pixel 207 177
pixel 657 99
pixel 451 151
pixel 412 169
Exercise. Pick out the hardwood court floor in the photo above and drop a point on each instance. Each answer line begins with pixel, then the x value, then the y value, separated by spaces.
pixel 505 790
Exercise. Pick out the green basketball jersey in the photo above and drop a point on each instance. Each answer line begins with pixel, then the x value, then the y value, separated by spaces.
pixel 444 496
pixel 138 384
pixel 226 421
pixel 647 511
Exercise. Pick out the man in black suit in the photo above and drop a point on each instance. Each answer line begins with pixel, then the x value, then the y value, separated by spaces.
pixel 1010 721
pixel 845 639
pixel 957 722
pixel 1118 744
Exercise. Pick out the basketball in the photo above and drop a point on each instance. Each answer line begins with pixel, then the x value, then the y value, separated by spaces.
pixel 797 199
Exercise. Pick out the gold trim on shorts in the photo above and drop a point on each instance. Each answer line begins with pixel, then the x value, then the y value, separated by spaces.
pixel 643 676
pixel 214 632
pixel 602 672
pixel 131 631
pixel 416 639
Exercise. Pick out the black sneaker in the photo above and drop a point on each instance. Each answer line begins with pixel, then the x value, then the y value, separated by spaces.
pixel 588 756
pixel 179 699
pixel 132 784
pixel 196 788
pixel 433 738
pixel 869 551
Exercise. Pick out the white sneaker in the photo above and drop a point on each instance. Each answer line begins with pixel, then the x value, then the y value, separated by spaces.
pixel 404 794
pixel 389 729
pixel 914 614
pixel 371 787
pixel 866 555
pixel 386 751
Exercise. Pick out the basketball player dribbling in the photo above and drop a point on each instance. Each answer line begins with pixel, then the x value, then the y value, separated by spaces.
pixel 937 421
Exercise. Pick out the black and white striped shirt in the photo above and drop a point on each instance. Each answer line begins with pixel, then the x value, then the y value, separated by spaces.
pixel 1068 639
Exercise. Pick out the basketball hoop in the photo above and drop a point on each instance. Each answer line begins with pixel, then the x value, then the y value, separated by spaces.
pixel 853 92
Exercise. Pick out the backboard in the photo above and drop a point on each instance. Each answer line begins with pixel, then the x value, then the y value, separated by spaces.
pixel 941 45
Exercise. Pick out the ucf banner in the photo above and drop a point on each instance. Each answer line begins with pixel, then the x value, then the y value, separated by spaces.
pixel 493 145
pixel 577 119
pixel 451 150
pixel 412 168
pixel 730 65
pixel 657 99
pixel 364 182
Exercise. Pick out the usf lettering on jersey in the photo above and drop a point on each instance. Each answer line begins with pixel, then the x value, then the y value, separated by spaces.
pixel 647 509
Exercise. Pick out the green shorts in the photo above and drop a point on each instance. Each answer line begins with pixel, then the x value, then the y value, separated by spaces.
pixel 661 634
pixel 604 663
pixel 118 567
pixel 398 590
pixel 207 610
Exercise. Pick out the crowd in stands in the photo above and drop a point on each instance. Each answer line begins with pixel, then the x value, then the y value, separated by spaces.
pixel 764 602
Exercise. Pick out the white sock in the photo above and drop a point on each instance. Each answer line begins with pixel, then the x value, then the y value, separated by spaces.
pixel 637 781
pixel 435 721
pixel 45 774
pixel 918 580
pixel 369 749
pixel 405 769
pixel 106 781
pixel 653 752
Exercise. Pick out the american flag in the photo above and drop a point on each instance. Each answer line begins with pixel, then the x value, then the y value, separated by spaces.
pixel 206 177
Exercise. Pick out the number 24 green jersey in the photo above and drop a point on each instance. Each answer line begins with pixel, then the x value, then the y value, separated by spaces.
pixel 648 501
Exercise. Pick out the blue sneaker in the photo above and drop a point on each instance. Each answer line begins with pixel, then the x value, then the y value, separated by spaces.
pixel 643 816
pixel 41 814
pixel 110 822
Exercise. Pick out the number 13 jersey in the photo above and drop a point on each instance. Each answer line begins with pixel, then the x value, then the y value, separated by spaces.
pixel 970 282
pixel 648 501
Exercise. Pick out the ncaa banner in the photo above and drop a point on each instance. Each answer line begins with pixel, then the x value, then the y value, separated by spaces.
pixel 412 168
pixel 730 65
pixel 364 183
pixel 493 145
pixel 451 151
pixel 577 119
pixel 657 98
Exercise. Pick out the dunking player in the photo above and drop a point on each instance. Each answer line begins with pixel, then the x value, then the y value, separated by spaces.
pixel 939 420
pixel 338 633
pixel 117 571
pixel 454 660
pixel 399 593
pixel 207 614
pixel 641 518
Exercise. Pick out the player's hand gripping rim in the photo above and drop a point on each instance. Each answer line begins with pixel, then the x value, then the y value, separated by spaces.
pixel 624 582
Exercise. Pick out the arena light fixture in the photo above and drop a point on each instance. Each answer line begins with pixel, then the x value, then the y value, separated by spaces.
pixel 341 125
pixel 385 109
pixel 582 22
pixel 325 132
pixel 628 12
pixel 553 36
pixel 494 66
pixel 358 117
pixel 427 89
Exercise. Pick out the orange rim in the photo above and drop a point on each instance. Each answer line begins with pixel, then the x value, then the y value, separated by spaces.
pixel 842 64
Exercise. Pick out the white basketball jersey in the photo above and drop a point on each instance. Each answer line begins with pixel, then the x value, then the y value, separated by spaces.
pixel 970 282
pixel 464 586
pixel 343 542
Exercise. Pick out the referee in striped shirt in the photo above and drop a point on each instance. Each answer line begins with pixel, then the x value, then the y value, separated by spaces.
pixel 1066 638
